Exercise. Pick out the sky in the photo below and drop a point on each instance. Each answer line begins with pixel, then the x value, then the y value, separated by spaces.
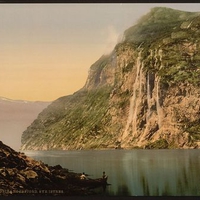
pixel 46 50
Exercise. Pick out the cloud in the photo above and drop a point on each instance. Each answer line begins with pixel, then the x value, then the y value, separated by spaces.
pixel 112 38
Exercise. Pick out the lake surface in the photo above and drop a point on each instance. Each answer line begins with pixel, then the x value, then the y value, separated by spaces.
pixel 134 172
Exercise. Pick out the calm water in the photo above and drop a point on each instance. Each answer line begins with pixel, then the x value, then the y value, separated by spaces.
pixel 134 172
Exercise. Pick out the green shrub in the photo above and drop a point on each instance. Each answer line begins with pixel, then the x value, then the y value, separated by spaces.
pixel 158 144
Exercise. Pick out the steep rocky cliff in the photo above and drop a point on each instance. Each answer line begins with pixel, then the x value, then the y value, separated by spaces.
pixel 145 94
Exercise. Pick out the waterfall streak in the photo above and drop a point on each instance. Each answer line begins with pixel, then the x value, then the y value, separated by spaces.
pixel 158 107
pixel 133 102
pixel 148 98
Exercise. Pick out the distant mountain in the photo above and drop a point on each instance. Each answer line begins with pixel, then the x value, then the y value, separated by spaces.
pixel 15 117
pixel 145 94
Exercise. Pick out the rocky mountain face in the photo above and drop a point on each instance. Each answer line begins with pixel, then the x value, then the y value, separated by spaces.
pixel 145 94
pixel 15 117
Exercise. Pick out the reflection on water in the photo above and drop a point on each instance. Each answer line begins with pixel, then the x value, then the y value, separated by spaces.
pixel 134 172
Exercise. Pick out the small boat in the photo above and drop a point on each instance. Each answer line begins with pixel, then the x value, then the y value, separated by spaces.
pixel 93 183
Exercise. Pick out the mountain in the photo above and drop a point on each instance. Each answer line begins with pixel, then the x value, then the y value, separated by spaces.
pixel 144 94
pixel 15 117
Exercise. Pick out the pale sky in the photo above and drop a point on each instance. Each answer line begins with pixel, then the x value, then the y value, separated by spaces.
pixel 46 50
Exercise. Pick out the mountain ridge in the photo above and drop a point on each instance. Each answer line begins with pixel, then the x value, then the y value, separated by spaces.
pixel 136 96
pixel 5 99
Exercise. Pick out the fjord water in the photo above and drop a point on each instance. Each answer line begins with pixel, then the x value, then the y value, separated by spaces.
pixel 134 172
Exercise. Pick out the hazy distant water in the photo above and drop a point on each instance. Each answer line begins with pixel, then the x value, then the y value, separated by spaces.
pixel 134 172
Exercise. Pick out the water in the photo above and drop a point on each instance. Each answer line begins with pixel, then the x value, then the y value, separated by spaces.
pixel 134 172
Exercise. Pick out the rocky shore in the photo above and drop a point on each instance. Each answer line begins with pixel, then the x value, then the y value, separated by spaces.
pixel 22 175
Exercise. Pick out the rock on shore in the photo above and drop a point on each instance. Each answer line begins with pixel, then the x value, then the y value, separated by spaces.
pixel 20 174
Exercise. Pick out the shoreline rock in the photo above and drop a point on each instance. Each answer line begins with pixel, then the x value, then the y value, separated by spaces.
pixel 22 175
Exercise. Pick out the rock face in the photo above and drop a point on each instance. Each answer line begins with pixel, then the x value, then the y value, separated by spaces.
pixel 145 94
pixel 22 175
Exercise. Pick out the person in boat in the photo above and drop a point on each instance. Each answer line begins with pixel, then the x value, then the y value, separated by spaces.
pixel 83 176
pixel 104 176
pixel 104 181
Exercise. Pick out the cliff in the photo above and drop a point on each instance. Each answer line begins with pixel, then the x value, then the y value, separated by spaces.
pixel 145 94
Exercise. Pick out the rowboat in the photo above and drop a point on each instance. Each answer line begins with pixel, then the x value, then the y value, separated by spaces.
pixel 93 183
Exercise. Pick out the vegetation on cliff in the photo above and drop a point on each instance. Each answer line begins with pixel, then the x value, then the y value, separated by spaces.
pixel 68 119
